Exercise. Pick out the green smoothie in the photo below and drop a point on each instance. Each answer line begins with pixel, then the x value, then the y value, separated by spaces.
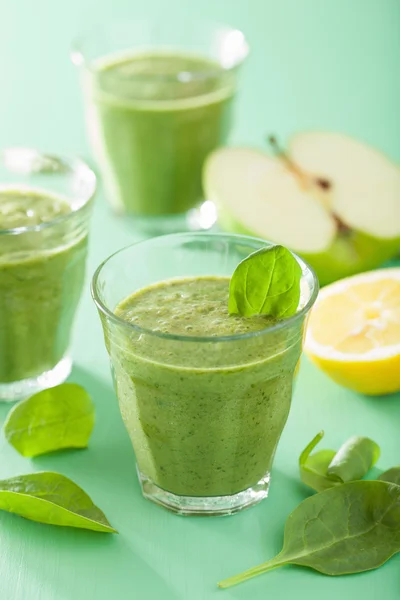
pixel 41 279
pixel 204 413
pixel 153 118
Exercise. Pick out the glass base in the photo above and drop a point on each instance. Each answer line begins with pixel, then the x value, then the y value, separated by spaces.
pixel 205 506
pixel 18 390
pixel 196 219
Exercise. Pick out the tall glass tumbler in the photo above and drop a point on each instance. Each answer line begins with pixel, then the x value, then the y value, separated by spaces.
pixel 158 98
pixel 42 266
pixel 204 414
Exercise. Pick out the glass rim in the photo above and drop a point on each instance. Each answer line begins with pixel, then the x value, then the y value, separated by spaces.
pixel 79 56
pixel 306 269
pixel 71 163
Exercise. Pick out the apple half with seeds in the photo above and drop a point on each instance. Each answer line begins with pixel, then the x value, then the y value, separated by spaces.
pixel 330 198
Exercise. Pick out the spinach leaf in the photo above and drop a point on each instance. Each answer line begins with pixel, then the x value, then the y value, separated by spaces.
pixel 56 418
pixel 354 459
pixel 327 468
pixel 392 475
pixel 313 468
pixel 267 282
pixel 54 499
pixel 350 528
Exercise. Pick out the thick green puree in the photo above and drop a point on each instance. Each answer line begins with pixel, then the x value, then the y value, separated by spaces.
pixel 22 208
pixel 41 278
pixel 153 119
pixel 204 415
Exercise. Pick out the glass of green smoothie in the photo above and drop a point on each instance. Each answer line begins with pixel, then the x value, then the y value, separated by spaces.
pixel 204 395
pixel 45 205
pixel 158 98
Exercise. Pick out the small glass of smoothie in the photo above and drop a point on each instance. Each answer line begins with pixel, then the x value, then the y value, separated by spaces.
pixel 204 395
pixel 45 205
pixel 158 99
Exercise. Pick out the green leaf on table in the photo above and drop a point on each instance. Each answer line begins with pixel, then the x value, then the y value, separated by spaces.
pixel 354 459
pixel 54 419
pixel 54 499
pixel 313 467
pixel 392 475
pixel 267 282
pixel 327 468
pixel 350 528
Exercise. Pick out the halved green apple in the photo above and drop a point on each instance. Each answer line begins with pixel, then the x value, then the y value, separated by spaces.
pixel 330 198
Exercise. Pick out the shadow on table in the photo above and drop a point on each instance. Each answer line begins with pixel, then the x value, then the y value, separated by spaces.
pixel 56 563
pixel 388 404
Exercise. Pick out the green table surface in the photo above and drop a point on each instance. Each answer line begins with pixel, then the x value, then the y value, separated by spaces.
pixel 314 64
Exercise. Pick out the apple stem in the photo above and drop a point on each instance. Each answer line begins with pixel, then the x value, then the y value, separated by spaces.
pixel 279 152
pixel 306 180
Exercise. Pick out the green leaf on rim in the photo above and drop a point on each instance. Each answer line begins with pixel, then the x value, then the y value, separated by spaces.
pixel 267 282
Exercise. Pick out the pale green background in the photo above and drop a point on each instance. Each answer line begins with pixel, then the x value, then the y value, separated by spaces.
pixel 314 63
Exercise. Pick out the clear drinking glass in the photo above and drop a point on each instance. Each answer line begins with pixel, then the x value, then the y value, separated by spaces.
pixel 42 270
pixel 158 98
pixel 204 414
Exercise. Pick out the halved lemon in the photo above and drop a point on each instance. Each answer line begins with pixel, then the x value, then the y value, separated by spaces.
pixel 353 332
